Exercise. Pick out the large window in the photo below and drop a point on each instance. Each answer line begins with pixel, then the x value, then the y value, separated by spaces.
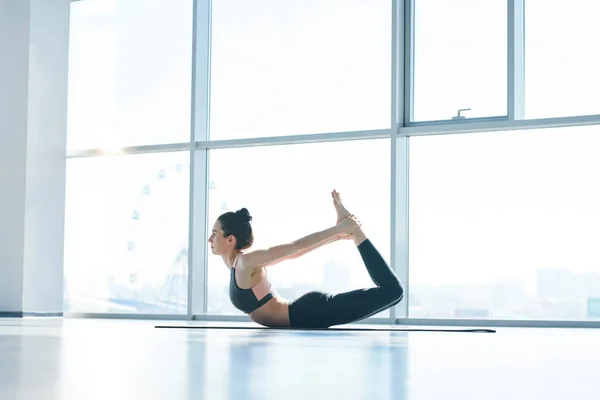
pixel 130 73
pixel 502 225
pixel 126 236
pixel 505 225
pixel 283 68
pixel 287 191
pixel 561 60
pixel 460 58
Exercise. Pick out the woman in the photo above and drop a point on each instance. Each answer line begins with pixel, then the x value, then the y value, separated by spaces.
pixel 250 290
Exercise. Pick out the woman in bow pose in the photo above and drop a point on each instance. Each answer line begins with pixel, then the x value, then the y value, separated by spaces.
pixel 250 290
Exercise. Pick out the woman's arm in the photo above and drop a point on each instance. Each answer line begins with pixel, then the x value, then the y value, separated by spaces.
pixel 294 249
pixel 316 246
pixel 311 248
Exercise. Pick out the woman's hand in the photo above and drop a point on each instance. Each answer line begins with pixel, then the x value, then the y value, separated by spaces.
pixel 347 226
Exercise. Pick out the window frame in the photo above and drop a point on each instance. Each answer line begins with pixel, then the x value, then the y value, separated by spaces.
pixel 401 92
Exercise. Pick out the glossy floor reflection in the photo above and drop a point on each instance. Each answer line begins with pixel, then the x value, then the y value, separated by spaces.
pixel 46 359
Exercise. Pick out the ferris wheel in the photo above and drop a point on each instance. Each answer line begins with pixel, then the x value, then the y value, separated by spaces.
pixel 155 273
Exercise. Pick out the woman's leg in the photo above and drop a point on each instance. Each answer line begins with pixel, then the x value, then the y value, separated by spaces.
pixel 322 310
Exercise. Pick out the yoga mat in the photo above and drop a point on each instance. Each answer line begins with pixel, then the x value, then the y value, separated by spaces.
pixel 399 329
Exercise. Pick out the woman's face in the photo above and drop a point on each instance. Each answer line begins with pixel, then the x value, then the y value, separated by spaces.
pixel 219 244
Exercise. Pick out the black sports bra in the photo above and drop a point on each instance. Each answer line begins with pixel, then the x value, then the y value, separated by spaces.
pixel 248 300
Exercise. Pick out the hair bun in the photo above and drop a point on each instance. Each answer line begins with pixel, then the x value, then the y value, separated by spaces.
pixel 244 214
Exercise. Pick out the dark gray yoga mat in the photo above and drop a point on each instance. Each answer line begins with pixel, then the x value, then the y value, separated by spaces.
pixel 334 329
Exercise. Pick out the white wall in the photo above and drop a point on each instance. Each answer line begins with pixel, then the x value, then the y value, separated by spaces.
pixel 46 161
pixel 14 56
pixel 34 38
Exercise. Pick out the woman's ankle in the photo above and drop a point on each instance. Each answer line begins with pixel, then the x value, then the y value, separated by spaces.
pixel 358 236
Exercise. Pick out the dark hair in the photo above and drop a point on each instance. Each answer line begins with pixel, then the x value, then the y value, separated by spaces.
pixel 238 224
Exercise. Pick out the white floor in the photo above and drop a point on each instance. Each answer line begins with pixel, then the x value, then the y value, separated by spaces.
pixel 45 359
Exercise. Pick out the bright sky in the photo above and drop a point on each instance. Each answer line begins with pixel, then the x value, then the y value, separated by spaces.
pixel 484 208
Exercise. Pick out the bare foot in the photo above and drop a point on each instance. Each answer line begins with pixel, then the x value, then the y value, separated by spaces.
pixel 341 211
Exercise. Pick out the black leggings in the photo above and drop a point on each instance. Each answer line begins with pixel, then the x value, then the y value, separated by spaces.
pixel 321 310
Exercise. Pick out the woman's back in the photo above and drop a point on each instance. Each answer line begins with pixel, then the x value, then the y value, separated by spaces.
pixel 273 314
pixel 251 292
